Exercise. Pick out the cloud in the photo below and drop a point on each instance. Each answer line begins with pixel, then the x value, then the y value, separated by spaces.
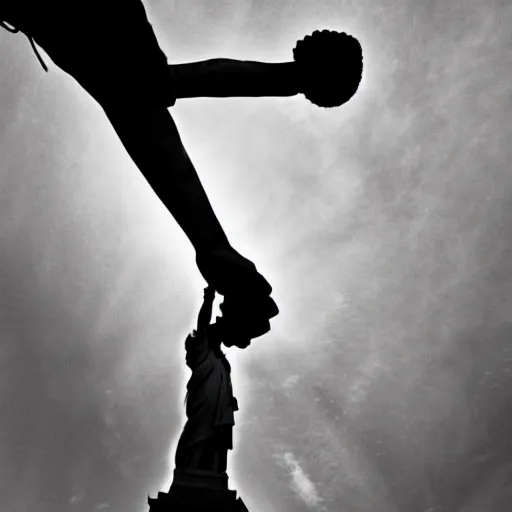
pixel 300 482
pixel 291 381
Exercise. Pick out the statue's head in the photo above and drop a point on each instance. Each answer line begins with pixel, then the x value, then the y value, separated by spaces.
pixel 214 336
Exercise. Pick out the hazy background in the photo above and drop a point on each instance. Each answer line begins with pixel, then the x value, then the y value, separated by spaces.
pixel 384 227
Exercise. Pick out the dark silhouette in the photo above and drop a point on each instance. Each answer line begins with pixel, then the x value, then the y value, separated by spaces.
pixel 210 402
pixel 327 69
pixel 200 476
pixel 110 48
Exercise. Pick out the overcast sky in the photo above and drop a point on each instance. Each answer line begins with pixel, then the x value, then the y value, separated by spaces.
pixel 383 226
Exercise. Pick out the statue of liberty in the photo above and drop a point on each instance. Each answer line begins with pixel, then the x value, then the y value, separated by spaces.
pixel 200 474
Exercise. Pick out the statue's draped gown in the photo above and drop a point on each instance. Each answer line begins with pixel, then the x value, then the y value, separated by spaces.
pixel 207 435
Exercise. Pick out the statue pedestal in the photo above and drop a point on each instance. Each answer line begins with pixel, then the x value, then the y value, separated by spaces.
pixel 198 491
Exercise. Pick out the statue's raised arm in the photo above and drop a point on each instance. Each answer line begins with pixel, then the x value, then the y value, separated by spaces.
pixel 205 313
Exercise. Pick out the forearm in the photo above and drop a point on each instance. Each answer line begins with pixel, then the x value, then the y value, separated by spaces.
pixel 205 313
pixel 153 142
pixel 221 78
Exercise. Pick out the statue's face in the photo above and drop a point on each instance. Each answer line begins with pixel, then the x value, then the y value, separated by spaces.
pixel 214 340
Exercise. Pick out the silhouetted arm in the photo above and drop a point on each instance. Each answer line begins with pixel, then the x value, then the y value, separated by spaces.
pixel 205 313
pixel 222 78
pixel 196 345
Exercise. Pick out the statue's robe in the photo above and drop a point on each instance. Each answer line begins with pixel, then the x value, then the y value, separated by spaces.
pixel 208 433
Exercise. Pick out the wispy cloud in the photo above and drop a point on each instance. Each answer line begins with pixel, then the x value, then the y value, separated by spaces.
pixel 300 482
pixel 291 381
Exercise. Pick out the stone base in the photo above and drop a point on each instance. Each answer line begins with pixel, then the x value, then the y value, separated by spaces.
pixel 198 491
